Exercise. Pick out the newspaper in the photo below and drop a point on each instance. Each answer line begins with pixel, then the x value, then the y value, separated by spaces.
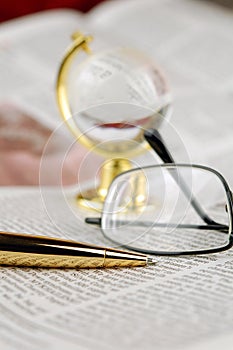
pixel 180 303
pixel 174 304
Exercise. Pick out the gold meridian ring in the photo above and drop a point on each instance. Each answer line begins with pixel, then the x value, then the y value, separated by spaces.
pixel 80 42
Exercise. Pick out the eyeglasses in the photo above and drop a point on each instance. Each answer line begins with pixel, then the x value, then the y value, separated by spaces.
pixel 168 209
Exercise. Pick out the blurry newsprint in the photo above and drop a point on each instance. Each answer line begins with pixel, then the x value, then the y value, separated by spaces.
pixel 180 303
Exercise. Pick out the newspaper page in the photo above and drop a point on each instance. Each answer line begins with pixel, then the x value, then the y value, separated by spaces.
pixel 180 303
pixel 175 304
pixel 31 50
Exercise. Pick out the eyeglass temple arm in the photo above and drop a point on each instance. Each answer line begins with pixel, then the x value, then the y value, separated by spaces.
pixel 155 140
pixel 223 228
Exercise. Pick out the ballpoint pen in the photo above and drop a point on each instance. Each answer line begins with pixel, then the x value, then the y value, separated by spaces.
pixel 40 251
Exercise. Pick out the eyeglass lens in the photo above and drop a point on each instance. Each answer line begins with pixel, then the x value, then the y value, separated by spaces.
pixel 154 209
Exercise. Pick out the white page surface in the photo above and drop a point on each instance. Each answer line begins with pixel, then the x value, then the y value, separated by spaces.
pixel 31 49
pixel 176 304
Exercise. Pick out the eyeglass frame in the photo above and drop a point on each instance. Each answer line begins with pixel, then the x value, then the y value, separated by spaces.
pixel 156 142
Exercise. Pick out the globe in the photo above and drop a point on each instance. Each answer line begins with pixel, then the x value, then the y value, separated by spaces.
pixel 115 95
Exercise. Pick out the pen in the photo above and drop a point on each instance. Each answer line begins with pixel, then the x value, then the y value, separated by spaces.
pixel 39 251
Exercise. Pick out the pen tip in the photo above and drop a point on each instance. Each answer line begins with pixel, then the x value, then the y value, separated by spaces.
pixel 151 261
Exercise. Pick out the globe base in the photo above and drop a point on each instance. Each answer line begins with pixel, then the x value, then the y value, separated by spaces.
pixel 94 198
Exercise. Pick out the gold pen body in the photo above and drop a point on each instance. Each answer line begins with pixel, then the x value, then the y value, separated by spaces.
pixel 39 251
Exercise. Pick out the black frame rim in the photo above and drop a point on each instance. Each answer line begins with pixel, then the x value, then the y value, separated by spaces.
pixel 181 253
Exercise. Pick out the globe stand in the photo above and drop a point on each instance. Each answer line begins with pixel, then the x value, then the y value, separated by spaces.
pixel 93 198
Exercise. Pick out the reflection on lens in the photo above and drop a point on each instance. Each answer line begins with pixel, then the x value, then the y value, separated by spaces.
pixel 167 209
